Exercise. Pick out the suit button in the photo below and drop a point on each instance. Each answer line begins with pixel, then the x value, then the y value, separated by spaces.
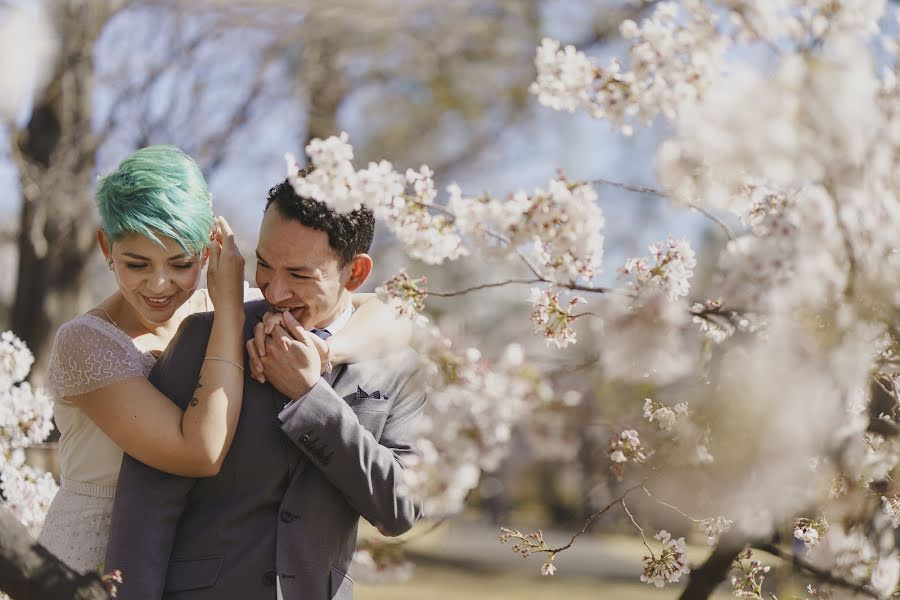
pixel 269 578
pixel 304 438
pixel 287 516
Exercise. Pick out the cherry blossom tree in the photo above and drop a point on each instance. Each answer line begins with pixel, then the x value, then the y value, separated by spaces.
pixel 776 394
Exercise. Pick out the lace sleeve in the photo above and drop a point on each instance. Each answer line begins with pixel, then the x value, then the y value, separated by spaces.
pixel 88 354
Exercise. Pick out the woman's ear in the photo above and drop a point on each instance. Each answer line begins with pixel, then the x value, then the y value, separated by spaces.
pixel 359 269
pixel 103 242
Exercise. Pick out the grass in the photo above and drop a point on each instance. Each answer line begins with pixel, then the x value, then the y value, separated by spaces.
pixel 440 582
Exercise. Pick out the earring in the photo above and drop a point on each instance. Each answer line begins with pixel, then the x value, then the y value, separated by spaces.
pixel 109 263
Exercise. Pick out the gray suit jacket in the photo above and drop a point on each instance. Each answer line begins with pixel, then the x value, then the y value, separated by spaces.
pixel 287 500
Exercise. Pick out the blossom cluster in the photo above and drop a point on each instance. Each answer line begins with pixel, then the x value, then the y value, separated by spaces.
pixel 472 410
pixel 669 267
pixel 669 565
pixel 673 58
pixel 664 416
pixel 560 228
pixel 25 420
pixel 335 181
pixel 405 295
pixel 551 319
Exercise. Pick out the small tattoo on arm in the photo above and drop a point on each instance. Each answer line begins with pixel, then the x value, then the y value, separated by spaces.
pixel 195 401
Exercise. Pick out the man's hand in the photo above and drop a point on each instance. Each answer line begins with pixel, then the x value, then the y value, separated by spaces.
pixel 256 346
pixel 291 362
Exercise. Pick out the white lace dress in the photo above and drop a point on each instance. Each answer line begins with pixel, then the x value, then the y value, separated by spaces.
pixel 88 353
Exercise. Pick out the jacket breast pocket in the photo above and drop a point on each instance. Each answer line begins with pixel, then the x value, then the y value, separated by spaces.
pixel 372 417
pixel 193 573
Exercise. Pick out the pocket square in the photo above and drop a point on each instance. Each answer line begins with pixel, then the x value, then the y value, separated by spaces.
pixel 377 395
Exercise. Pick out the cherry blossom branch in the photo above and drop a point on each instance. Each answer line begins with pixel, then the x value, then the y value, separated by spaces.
pixel 672 506
pixel 640 189
pixel 483 286
pixel 655 192
pixel 639 528
pixel 533 543
pixel 820 574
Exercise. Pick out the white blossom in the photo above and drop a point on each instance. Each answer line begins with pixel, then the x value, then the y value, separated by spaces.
pixel 551 319
pixel 669 565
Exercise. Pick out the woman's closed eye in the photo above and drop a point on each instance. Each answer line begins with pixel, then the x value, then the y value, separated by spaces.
pixel 138 267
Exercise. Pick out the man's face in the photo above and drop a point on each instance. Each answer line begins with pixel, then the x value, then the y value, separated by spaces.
pixel 297 270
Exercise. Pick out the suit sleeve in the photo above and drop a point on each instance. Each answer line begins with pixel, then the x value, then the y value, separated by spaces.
pixel 149 502
pixel 367 471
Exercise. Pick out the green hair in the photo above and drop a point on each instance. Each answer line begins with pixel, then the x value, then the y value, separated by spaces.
pixel 157 190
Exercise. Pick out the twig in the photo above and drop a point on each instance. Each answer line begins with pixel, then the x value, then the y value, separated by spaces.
pixel 672 506
pixel 482 287
pixel 640 189
pixel 590 519
pixel 639 528
pixel 725 227
pixel 816 572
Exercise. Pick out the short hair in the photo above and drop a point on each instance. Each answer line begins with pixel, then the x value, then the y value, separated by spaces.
pixel 157 190
pixel 349 234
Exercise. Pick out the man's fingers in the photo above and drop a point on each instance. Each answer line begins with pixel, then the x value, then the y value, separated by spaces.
pixel 293 325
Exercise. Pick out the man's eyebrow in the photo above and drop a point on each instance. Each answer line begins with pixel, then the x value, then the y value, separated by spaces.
pixel 299 269
pixel 140 257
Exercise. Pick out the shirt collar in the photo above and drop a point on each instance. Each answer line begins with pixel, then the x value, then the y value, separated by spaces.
pixel 340 321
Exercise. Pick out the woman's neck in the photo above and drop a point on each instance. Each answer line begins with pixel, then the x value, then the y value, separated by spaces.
pixel 136 326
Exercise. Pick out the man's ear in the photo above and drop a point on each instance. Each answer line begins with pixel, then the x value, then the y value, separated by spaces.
pixel 103 242
pixel 359 269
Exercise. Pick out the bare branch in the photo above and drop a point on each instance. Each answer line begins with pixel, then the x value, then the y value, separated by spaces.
pixel 820 574
pixel 483 286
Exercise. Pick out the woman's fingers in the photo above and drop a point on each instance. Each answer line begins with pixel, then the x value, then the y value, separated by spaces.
pixel 271 319
pixel 256 366
pixel 259 338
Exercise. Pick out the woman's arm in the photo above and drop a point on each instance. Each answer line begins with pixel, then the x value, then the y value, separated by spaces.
pixel 374 330
pixel 148 425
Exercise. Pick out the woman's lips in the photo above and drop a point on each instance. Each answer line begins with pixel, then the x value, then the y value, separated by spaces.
pixel 158 302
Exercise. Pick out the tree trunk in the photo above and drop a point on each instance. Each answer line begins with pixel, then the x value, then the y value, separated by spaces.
pixel 28 570
pixel 707 577
pixel 322 79
pixel 54 154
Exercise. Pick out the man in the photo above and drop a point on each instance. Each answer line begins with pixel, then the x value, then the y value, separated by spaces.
pixel 311 453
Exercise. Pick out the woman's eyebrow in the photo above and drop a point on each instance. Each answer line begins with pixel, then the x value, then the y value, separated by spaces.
pixel 140 257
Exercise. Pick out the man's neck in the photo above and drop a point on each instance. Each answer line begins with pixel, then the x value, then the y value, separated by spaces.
pixel 343 304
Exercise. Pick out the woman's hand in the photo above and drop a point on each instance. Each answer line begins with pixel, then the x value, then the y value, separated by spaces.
pixel 225 275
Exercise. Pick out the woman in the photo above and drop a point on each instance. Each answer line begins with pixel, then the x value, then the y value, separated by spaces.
pixel 156 218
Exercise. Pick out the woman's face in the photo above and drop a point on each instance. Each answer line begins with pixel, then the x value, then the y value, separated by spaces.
pixel 155 280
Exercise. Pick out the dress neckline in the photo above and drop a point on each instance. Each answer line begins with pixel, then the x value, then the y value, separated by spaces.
pixel 118 331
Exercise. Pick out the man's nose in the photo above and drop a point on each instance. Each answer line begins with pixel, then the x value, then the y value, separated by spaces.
pixel 276 291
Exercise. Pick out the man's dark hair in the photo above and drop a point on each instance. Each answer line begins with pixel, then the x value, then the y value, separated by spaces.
pixel 348 234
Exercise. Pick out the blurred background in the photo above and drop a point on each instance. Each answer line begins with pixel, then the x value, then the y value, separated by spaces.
pixel 443 83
